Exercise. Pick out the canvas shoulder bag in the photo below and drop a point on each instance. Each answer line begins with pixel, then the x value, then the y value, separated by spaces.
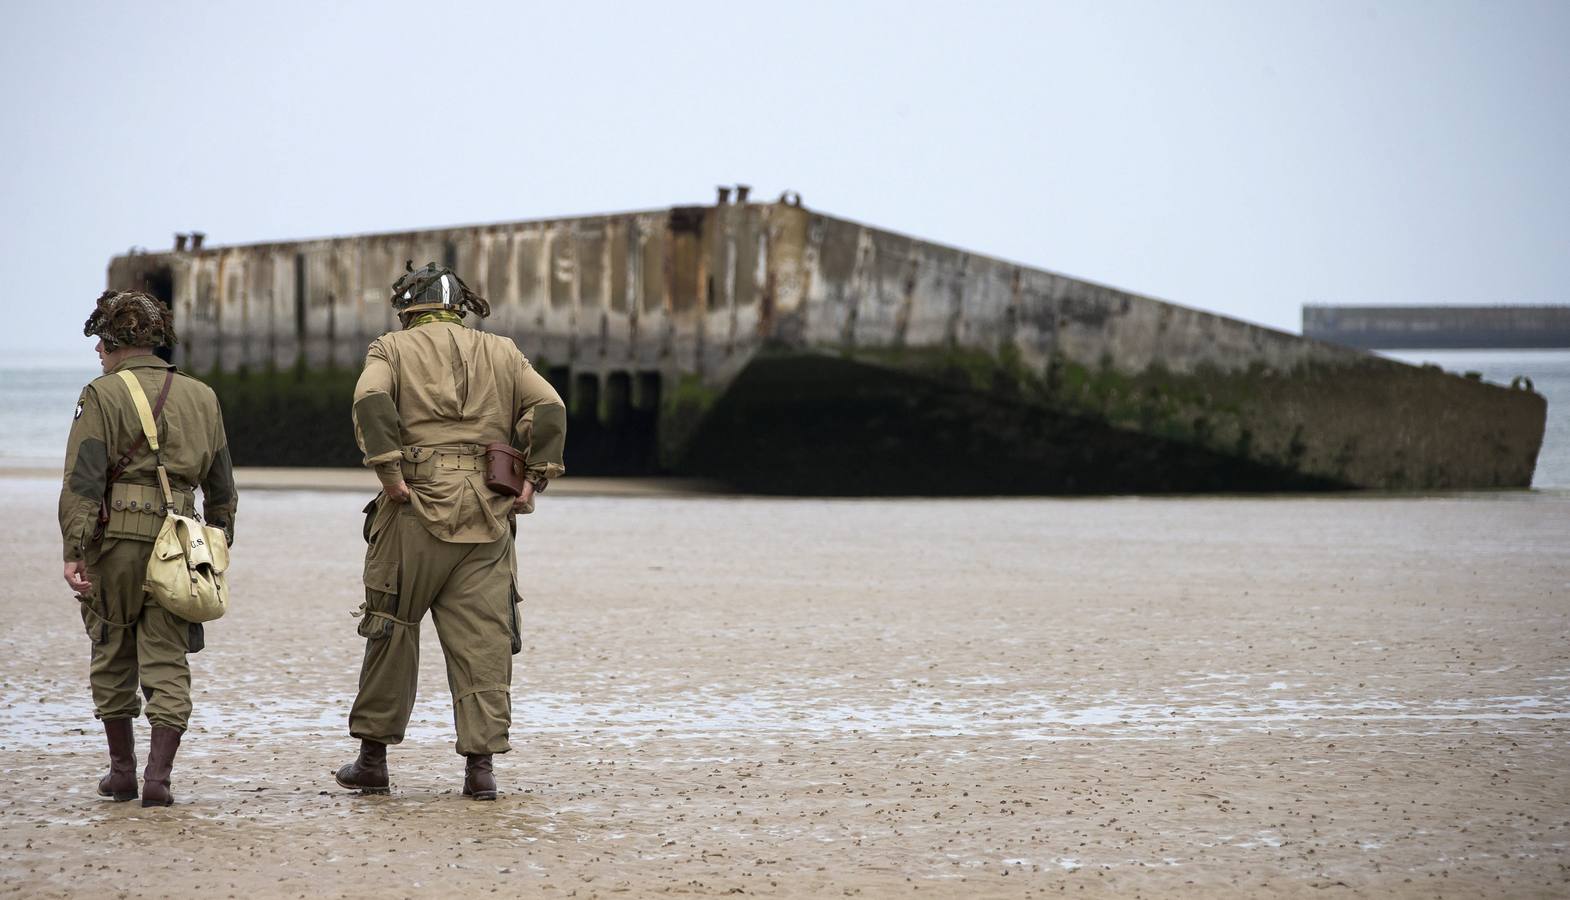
pixel 185 574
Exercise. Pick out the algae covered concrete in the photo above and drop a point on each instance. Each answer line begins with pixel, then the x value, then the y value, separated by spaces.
pixel 790 351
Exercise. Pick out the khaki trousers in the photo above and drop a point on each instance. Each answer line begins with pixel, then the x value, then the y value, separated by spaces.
pixel 468 589
pixel 135 642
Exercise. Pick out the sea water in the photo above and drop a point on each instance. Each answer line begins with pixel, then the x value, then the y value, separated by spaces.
pixel 37 400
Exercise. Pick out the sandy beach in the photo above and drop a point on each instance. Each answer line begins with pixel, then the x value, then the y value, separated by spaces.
pixel 1338 696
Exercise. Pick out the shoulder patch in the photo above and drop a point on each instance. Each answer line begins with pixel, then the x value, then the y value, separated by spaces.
pixel 78 413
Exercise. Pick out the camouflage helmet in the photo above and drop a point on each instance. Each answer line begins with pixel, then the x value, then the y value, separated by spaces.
pixel 435 288
pixel 130 319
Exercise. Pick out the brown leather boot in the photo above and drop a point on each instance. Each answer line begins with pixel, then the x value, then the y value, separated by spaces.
pixel 479 782
pixel 368 773
pixel 120 783
pixel 160 762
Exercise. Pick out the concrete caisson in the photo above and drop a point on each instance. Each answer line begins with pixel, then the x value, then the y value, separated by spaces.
pixel 785 350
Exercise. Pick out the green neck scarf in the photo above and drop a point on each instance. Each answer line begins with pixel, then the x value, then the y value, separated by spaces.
pixel 434 316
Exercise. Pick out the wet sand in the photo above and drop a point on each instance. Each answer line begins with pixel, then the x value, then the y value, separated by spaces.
pixel 1347 696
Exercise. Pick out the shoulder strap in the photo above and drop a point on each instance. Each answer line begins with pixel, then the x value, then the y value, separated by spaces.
pixel 129 456
pixel 150 425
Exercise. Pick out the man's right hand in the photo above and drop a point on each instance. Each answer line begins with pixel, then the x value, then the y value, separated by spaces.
pixel 397 493
pixel 76 577
pixel 523 504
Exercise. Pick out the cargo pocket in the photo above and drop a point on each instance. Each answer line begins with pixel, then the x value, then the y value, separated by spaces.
pixel 97 628
pixel 517 624
pixel 380 514
pixel 195 637
pixel 378 614
pixel 370 517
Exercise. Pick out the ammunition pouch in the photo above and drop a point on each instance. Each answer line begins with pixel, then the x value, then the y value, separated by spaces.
pixel 136 511
pixel 418 464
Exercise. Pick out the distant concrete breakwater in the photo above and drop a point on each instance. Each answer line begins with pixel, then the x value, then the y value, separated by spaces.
pixel 1439 327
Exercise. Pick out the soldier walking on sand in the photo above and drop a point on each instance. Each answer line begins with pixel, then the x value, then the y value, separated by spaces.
pixel 440 534
pixel 110 512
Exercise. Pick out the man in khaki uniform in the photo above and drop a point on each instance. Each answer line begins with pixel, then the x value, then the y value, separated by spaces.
pixel 110 511
pixel 428 401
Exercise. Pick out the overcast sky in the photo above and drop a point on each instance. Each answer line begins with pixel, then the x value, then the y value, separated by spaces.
pixel 1239 157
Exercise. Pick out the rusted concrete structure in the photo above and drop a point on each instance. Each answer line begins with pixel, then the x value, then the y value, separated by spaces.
pixel 787 350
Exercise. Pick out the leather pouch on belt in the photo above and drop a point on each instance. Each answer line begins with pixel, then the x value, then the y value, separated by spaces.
pixel 136 511
pixel 504 469
pixel 419 464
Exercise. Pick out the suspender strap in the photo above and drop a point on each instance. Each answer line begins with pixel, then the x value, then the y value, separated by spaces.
pixel 150 426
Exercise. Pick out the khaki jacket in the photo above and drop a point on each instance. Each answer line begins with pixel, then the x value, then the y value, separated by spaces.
pixel 190 433
pixel 430 398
